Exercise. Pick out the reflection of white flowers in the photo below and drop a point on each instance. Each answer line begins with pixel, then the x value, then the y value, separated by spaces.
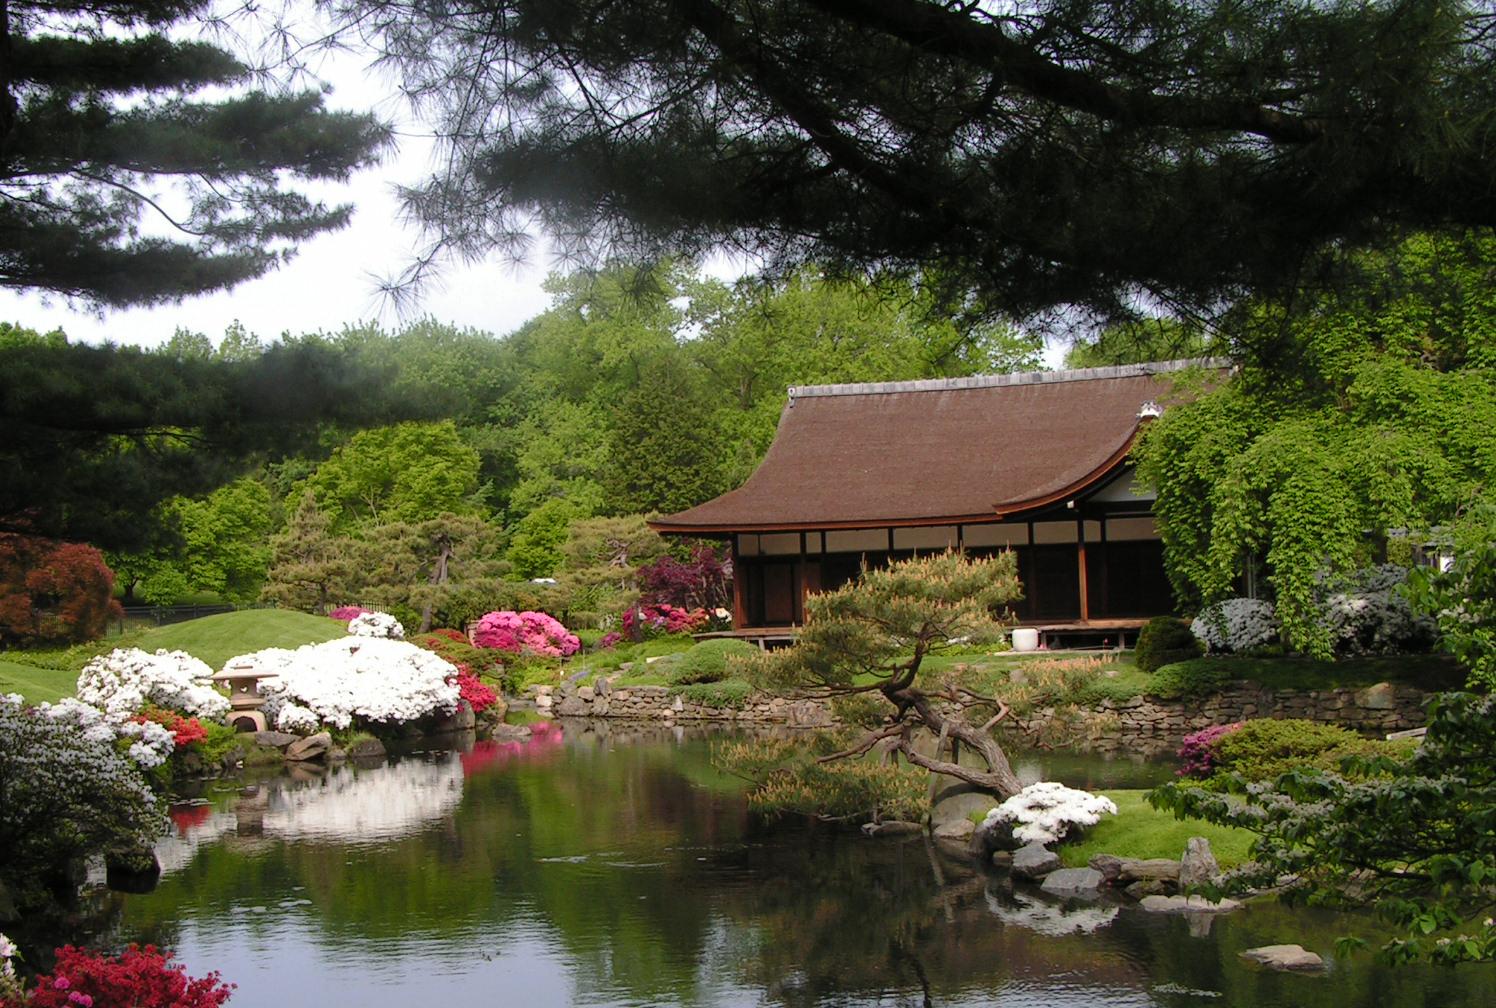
pixel 126 679
pixel 1048 811
pixel 1236 625
pixel 376 624
pixel 369 679
pixel 1051 919
pixel 362 806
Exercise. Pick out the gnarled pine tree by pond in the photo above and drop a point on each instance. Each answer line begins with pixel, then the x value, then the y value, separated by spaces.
pixel 872 636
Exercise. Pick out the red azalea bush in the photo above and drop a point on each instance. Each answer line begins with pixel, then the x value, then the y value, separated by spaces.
pixel 472 689
pixel 184 730
pixel 141 977
pixel 1198 754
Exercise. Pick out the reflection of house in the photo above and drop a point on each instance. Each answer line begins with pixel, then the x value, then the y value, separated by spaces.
pixel 1036 463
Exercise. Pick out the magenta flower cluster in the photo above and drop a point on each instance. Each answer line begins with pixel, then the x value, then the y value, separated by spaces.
pixel 345 613
pixel 1197 755
pixel 525 633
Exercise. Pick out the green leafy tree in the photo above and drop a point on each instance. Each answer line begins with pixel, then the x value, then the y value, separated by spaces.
pixel 601 557
pixel 872 637
pixel 1039 153
pixel 406 473
pixel 1144 340
pixel 218 544
pixel 665 453
pixel 1463 598
pixel 101 109
pixel 1372 410
pixel 536 544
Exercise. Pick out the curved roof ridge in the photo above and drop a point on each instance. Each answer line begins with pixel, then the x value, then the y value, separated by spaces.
pixel 1017 378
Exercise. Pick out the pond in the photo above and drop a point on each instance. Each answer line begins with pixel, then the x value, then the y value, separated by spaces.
pixel 608 868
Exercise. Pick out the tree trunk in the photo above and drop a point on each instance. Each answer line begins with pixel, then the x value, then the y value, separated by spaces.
pixel 438 577
pixel 999 776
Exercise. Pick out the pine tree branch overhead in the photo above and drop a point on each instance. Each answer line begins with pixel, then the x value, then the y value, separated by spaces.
pixel 1038 153
pixel 121 184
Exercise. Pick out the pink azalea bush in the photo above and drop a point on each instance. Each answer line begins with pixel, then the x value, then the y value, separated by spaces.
pixel 525 633
pixel 1198 755
pixel 345 613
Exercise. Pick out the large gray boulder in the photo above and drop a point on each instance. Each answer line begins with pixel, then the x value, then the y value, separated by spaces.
pixel 1293 958
pixel 1148 869
pixel 1034 861
pixel 1187 904
pixel 275 739
pixel 955 830
pixel 1073 882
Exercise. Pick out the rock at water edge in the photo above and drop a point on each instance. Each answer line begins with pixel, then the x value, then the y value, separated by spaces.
pixel 310 748
pixel 1034 861
pixel 1198 865
pixel 1074 882
pixel 1286 957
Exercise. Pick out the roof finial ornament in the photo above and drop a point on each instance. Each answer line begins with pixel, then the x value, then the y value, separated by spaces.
pixel 1150 410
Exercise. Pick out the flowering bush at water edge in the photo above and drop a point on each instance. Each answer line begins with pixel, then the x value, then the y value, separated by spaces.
pixel 376 624
pixel 527 633
pixel 365 679
pixel 126 679
pixel 1048 811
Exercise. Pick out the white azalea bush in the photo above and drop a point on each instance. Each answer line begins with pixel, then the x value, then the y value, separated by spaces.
pixel 365 680
pixel 67 792
pixel 376 624
pixel 126 679
pixel 1237 625
pixel 1048 811
pixel 1367 613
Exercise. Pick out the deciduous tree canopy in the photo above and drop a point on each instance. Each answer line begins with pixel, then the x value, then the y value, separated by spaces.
pixel 119 186
pixel 1038 153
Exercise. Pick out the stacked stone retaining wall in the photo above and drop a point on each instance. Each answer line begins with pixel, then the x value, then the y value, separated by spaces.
pixel 1144 724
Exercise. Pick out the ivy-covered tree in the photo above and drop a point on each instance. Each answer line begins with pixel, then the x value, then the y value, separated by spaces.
pixel 1360 415
pixel 137 167
pixel 53 592
pixel 872 637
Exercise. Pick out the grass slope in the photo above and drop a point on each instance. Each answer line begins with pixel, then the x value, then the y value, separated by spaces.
pixel 49 675
pixel 1138 830
pixel 216 639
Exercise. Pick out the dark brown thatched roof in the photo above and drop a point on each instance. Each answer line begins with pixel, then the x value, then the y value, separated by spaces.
pixel 937 452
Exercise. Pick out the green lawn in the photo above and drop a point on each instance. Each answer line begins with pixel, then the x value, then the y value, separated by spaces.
pixel 1140 831
pixel 48 675
pixel 35 683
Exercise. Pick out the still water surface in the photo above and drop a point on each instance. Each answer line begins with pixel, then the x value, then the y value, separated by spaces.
pixel 602 868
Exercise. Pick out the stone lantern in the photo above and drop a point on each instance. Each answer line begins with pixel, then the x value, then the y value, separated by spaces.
pixel 243 680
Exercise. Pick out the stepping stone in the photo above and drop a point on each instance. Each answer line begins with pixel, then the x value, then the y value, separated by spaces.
pixel 1295 958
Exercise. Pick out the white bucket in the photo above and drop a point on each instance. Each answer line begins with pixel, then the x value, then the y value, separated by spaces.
pixel 1025 639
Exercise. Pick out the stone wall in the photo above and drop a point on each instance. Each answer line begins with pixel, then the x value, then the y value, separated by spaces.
pixel 1150 725
pixel 1143 724
pixel 658 703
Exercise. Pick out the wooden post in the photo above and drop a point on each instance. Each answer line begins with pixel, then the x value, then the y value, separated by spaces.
pixel 1080 554
pixel 739 613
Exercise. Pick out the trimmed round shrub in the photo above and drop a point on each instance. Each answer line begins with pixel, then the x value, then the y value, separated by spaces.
pixel 1237 625
pixel 707 662
pixel 1164 640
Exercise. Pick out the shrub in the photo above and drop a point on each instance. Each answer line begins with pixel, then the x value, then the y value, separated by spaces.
pixel 122 682
pixel 1237 625
pixel 369 680
pixel 527 633
pixel 348 612
pixel 787 778
pixel 732 693
pixel 1196 677
pixel 1164 640
pixel 1047 812
pixel 137 978
pixel 472 689
pixel 707 662
pixel 1368 613
pixel 376 624
pixel 1263 748
pixel 1198 754
pixel 66 793
pixel 702 582
pixel 53 592
pixel 454 647
pixel 662 618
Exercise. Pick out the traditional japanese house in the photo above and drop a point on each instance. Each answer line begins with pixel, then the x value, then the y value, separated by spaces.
pixel 1033 463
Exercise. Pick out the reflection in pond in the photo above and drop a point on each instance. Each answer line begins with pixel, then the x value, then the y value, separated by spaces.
pixel 618 869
